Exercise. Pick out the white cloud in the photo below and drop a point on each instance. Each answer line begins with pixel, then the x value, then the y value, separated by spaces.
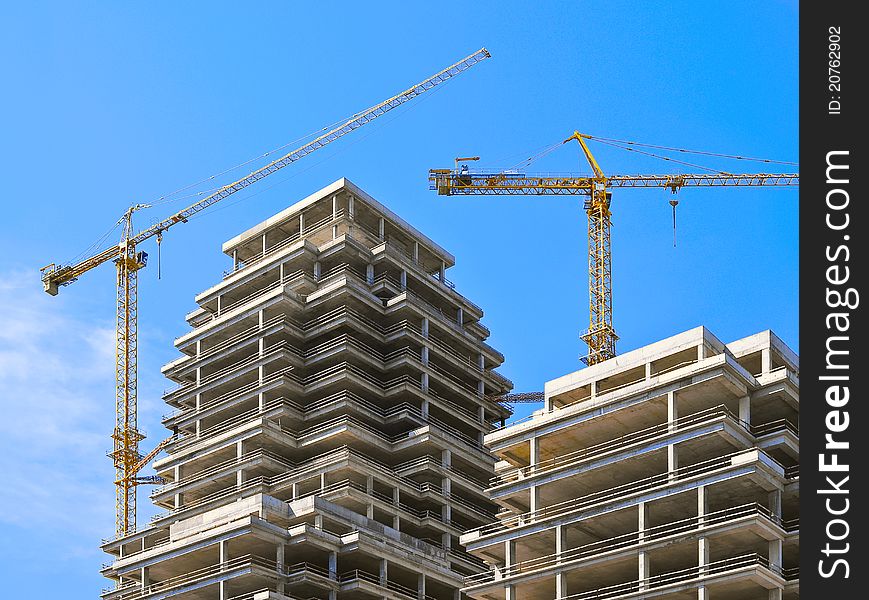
pixel 56 411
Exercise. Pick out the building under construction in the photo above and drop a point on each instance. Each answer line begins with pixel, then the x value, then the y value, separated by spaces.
pixel 329 412
pixel 670 471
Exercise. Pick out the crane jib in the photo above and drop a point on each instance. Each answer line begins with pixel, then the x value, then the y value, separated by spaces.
pixel 126 436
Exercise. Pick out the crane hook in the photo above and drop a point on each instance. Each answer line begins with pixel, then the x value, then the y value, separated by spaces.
pixel 159 251
pixel 673 203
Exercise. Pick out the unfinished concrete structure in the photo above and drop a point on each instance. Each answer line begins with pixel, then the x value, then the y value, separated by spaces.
pixel 667 472
pixel 331 402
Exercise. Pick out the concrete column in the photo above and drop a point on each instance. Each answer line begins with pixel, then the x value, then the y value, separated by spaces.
pixel 423 355
pixel 280 554
pixel 318 522
pixel 775 554
pixel 261 401
pixel 775 594
pixel 322 481
pixel 179 498
pixel 672 460
pixel 775 503
pixel 295 490
pixel 447 458
pixel 381 229
pixel 261 346
pixel 560 541
pixel 446 486
pixel 648 371
pixel 702 503
pixel 146 581
pixel 416 252
pixel 198 348
pixel 424 327
pixel 219 304
pixel 223 552
pixel 481 414
pixel 509 554
pixel 701 351
pixel 446 540
pixel 672 417
pixel 745 410
pixel 460 317
pixel 333 565
pixel 592 389
pixel 335 206
pixel 672 410
pixel 235 260
pixel 420 586
pixel 261 371
pixel 369 273
pixel 351 208
pixel 765 360
pixel 396 523
pixel 643 569
pixel 261 317
pixel 509 592
pixel 369 483
pixel 423 381
pixel 642 520
pixel 702 553
pixel 560 585
pixel 301 224
pixel 384 571
pixel 403 279
pixel 702 593
pixel 239 478
pixel 643 556
pixel 533 453
pixel 265 244
pixel 442 271
pixel 318 270
pixel 425 409
pixel 446 513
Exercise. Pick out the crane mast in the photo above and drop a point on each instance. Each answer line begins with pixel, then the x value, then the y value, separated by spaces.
pixel 600 337
pixel 128 261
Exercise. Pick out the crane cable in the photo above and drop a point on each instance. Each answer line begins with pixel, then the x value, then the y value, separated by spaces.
pixel 171 196
pixel 374 129
pixel 666 158
pixel 702 152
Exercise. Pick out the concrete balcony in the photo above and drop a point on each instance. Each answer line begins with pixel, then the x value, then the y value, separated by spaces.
pixel 752 464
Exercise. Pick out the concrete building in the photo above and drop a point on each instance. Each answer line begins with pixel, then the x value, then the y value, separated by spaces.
pixel 667 472
pixel 330 406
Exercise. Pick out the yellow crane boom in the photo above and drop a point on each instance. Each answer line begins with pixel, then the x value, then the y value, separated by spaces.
pixel 600 336
pixel 128 260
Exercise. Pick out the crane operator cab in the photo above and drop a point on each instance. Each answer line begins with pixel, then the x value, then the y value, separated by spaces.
pixel 464 175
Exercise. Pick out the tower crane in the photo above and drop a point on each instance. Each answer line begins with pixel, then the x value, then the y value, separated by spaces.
pixel 601 336
pixel 129 260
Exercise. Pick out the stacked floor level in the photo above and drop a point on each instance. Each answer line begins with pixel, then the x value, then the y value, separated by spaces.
pixel 329 412
pixel 668 472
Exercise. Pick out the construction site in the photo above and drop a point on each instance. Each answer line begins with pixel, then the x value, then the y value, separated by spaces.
pixel 338 426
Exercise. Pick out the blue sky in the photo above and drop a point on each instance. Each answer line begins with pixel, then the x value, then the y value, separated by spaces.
pixel 109 103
